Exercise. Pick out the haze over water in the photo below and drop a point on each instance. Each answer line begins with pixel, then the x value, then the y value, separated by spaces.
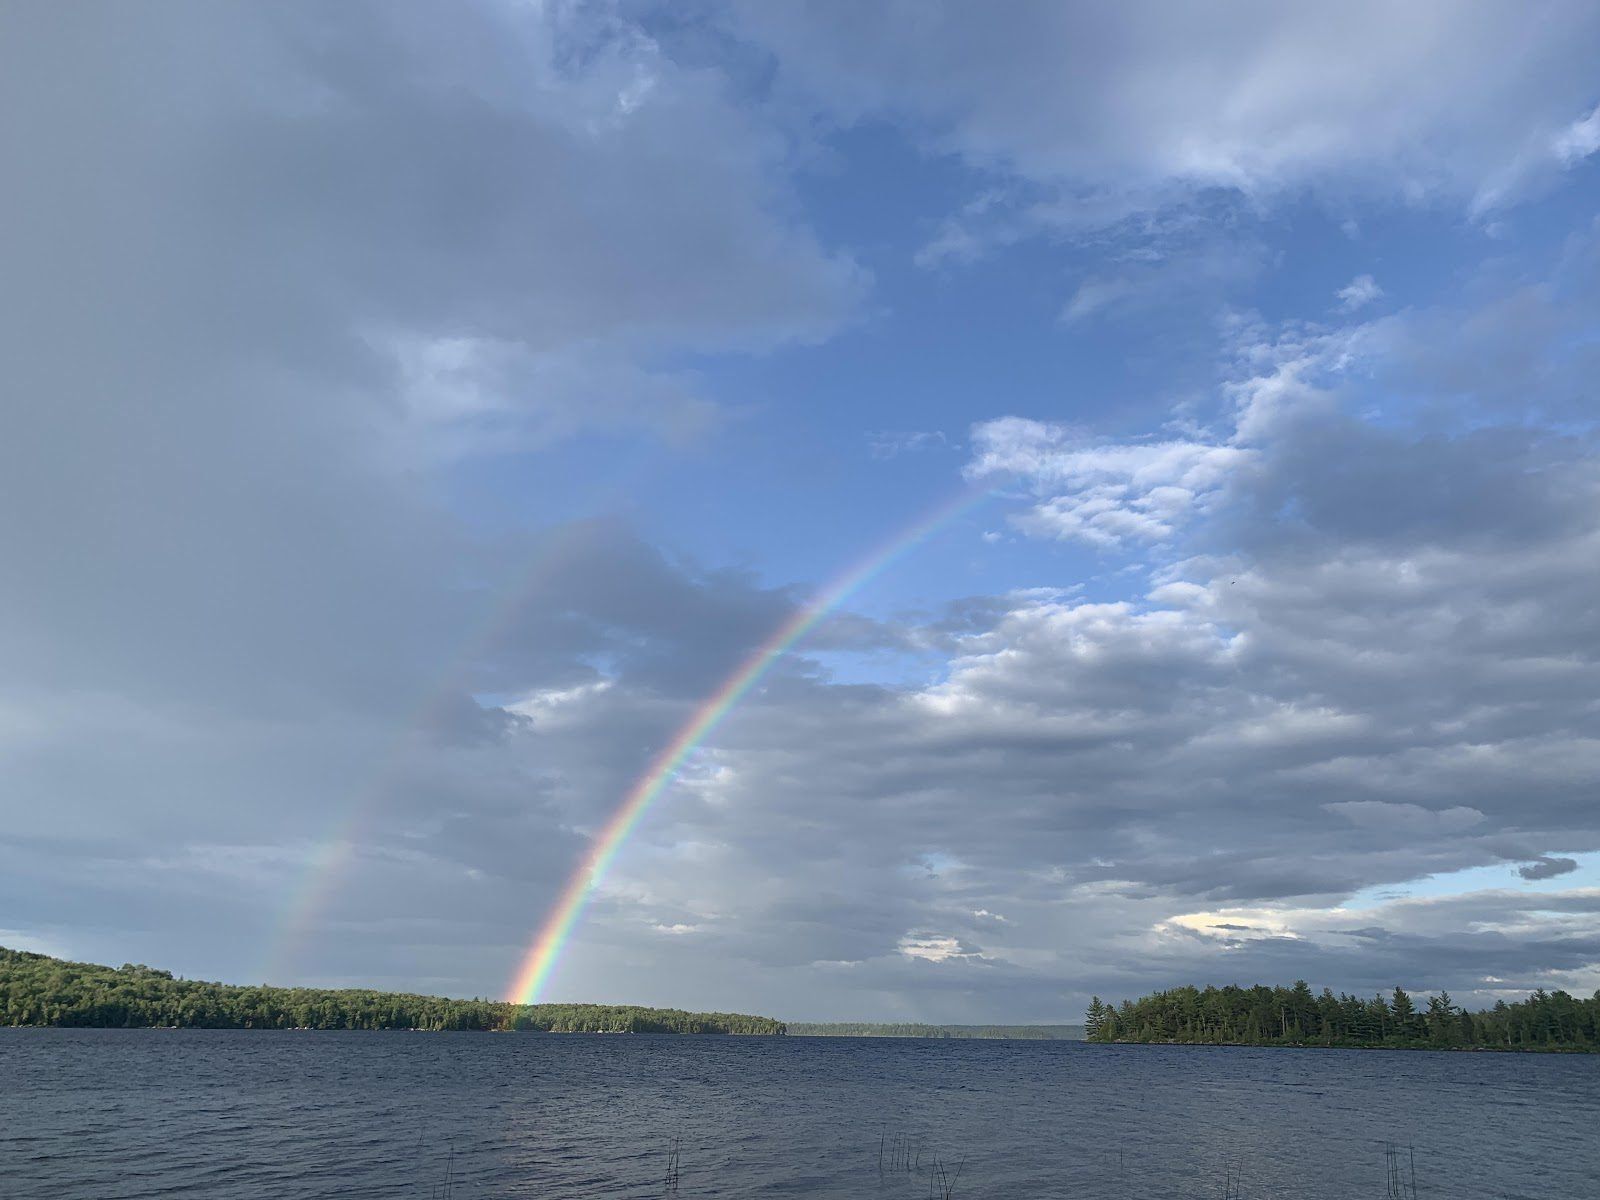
pixel 119 1114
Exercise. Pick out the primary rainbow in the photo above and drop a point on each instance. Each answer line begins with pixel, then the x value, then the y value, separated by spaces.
pixel 556 931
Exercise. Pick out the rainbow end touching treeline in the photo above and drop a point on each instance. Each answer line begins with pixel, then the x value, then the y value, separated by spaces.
pixel 554 934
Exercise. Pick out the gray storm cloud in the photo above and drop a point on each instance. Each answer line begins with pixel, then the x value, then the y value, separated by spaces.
pixel 1546 867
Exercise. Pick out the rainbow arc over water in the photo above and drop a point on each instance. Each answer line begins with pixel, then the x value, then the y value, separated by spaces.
pixel 556 932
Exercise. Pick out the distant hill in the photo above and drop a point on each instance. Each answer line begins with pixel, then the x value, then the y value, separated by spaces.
pixel 1033 1033
pixel 38 990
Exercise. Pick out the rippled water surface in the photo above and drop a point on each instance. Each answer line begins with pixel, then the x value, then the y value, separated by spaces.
pixel 125 1113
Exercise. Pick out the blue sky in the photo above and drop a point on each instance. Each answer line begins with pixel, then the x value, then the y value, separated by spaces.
pixel 416 414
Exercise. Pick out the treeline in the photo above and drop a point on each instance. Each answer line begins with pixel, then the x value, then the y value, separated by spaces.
pixel 38 990
pixel 1295 1016
pixel 870 1029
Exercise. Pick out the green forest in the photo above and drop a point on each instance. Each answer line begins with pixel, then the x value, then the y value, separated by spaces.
pixel 36 989
pixel 1034 1033
pixel 1296 1016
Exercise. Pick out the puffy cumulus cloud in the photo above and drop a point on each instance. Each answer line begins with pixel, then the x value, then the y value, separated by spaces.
pixel 1112 112
pixel 271 273
pixel 1105 493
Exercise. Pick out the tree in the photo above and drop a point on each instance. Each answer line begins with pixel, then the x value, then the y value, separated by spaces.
pixel 1094 1020
pixel 1442 1027
pixel 1403 1013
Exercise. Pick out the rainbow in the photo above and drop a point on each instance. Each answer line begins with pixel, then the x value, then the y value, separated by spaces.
pixel 553 936
pixel 330 857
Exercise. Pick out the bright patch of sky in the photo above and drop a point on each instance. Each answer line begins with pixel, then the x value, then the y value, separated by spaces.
pixel 1583 872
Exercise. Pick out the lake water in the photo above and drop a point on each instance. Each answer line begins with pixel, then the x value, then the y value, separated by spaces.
pixel 128 1113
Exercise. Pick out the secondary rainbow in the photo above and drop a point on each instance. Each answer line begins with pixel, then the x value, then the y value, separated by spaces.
pixel 348 829
pixel 555 933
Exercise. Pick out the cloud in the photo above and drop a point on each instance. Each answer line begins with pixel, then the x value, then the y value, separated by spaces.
pixel 888 443
pixel 1545 867
pixel 935 948
pixel 1398 818
pixel 1358 293
pixel 463 397
pixel 1119 111
pixel 1359 662
pixel 273 276
pixel 1105 495
pixel 1579 140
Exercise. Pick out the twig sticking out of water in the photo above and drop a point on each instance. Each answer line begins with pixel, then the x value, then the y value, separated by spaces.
pixel 1401 1170
pixel 899 1152
pixel 441 1191
pixel 942 1180
pixel 670 1183
pixel 1232 1181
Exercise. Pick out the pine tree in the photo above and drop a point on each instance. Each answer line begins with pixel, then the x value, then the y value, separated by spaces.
pixel 1094 1020
pixel 1404 1013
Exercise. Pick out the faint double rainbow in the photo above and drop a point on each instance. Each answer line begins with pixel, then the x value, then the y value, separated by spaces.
pixel 327 864
pixel 555 933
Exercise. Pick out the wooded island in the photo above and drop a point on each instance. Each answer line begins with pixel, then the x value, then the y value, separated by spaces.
pixel 1295 1016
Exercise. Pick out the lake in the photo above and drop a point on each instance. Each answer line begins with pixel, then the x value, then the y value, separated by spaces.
pixel 220 1114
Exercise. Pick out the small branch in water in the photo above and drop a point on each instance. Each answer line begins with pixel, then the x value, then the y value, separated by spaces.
pixel 670 1183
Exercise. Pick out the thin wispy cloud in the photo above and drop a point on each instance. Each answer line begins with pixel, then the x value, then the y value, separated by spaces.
pixel 1358 293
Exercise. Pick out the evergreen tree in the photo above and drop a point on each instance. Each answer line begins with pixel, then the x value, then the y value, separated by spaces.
pixel 1403 1013
pixel 1094 1020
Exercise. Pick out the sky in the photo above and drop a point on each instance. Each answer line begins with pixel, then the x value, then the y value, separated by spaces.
pixel 414 413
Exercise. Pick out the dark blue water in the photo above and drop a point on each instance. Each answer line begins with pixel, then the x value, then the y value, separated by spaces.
pixel 114 1113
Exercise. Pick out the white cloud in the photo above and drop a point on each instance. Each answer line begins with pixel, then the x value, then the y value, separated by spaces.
pixel 1358 293
pixel 1103 494
pixel 1115 110
pixel 934 947
pixel 890 443
pixel 1579 140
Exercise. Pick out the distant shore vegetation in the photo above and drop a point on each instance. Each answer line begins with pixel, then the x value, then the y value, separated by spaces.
pixel 1296 1016
pixel 36 989
pixel 1032 1033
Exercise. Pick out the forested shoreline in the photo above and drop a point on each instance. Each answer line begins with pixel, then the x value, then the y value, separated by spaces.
pixel 38 990
pixel 1295 1016
pixel 904 1029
